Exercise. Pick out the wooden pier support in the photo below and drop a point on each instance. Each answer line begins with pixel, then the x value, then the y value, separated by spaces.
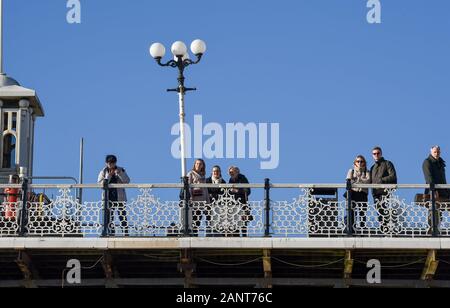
pixel 431 266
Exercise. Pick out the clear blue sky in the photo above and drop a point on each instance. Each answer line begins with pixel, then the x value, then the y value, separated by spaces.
pixel 336 84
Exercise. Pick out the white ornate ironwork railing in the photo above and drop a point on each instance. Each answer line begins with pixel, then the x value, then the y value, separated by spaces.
pixel 9 220
pixel 316 210
pixel 308 215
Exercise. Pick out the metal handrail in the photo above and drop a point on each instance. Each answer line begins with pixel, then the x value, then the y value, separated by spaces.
pixel 307 214
pixel 54 178
pixel 256 185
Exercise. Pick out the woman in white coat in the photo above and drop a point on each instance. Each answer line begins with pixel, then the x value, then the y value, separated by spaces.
pixel 199 196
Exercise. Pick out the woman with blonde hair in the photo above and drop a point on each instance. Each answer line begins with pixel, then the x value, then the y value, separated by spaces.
pixel 359 174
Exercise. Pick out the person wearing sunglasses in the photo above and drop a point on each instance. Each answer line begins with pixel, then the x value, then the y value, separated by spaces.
pixel 359 174
pixel 382 172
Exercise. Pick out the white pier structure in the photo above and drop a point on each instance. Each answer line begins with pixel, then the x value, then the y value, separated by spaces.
pixel 285 235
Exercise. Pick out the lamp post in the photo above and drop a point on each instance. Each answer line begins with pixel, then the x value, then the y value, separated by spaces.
pixel 1 37
pixel 181 61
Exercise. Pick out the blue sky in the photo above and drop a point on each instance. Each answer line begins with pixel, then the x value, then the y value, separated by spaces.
pixel 336 84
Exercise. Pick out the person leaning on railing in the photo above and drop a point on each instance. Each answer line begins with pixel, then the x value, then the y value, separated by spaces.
pixel 241 195
pixel 359 174
pixel 117 196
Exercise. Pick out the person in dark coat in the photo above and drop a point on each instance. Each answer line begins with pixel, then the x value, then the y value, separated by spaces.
pixel 216 206
pixel 241 195
pixel 382 172
pixel 434 171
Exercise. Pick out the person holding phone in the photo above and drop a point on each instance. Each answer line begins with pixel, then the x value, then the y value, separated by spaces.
pixel 117 197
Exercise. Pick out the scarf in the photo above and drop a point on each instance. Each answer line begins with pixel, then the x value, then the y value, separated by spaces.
pixel 360 170
pixel 216 180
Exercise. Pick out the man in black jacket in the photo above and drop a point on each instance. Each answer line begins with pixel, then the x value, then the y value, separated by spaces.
pixel 383 172
pixel 434 172
pixel 241 195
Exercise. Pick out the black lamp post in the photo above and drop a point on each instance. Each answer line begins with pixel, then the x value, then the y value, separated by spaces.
pixel 181 61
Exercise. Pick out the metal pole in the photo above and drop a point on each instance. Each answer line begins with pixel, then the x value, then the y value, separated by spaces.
pixel 181 65
pixel 105 208
pixel 186 197
pixel 267 207
pixel 434 221
pixel 23 213
pixel 350 213
pixel 80 191
pixel 1 37
pixel 182 132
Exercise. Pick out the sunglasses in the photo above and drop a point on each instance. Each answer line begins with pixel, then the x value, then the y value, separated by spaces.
pixel 376 153
pixel 361 161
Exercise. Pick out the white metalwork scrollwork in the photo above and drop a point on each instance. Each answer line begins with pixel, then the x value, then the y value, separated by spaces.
pixel 145 215
pixel 227 215
pixel 308 215
pixel 443 210
pixel 392 216
pixel 64 216
pixel 9 224
pixel 325 216
pixel 291 218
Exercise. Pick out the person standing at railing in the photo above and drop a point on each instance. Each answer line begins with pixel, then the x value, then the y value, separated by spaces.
pixel 215 215
pixel 199 196
pixel 434 172
pixel 359 174
pixel 116 196
pixel 383 172
pixel 241 196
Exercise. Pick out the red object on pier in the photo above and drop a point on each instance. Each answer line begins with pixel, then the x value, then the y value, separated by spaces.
pixel 11 200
